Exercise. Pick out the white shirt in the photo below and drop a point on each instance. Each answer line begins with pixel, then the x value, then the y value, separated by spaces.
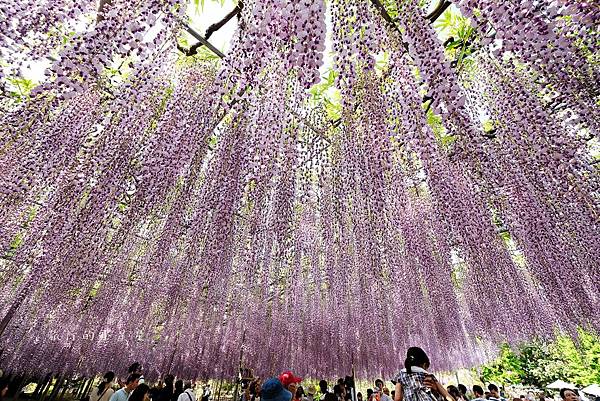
pixel 187 395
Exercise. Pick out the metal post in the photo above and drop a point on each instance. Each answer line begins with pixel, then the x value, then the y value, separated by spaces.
pixel 57 386
pixel 235 392
pixel 45 389
pixel 64 389
pixel 40 385
pixel 353 389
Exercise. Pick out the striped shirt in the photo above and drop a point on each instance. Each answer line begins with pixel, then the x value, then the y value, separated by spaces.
pixel 413 388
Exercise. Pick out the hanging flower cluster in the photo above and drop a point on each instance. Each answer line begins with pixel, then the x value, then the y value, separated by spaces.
pixel 189 215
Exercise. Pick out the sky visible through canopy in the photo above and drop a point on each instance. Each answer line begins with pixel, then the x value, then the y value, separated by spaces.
pixel 350 179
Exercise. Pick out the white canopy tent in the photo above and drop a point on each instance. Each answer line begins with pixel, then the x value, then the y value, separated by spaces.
pixel 592 389
pixel 559 384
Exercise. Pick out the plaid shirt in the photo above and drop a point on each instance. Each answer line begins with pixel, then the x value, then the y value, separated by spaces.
pixel 413 388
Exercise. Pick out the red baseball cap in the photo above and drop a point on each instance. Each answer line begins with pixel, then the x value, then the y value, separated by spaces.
pixel 287 378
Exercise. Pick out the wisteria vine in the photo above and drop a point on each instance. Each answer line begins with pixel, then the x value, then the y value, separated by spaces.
pixel 186 213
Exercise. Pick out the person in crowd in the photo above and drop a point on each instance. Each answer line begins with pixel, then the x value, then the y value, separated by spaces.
pixel 133 380
pixel 274 390
pixel 377 391
pixel 178 390
pixel 568 394
pixel 455 393
pixel 136 368
pixel 104 391
pixel 4 383
pixel 369 394
pixel 386 394
pixel 323 387
pixel 311 392
pixel 359 396
pixel 300 395
pixel 393 393
pixel 252 390
pixel 463 391
pixel 415 383
pixel 141 393
pixel 188 393
pixel 495 393
pixel 206 393
pixel 289 381
pixel 340 392
pixel 478 392
pixel 156 389
pixel 165 393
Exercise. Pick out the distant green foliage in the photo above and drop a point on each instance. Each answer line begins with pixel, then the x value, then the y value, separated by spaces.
pixel 328 95
pixel 539 362
pixel 199 4
pixel 458 36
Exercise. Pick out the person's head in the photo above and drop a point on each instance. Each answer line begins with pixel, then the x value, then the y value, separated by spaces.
pixel 338 390
pixel 179 385
pixel 187 385
pixel 323 386
pixel 135 367
pixel 493 390
pixel 386 391
pixel 169 380
pixel 462 388
pixel 311 391
pixel 132 382
pixel 569 395
pixel 289 381
pixel 273 390
pixel 369 392
pixel 478 390
pixel 141 393
pixel 299 392
pixel 340 381
pixel 109 377
pixel 454 392
pixel 415 356
pixel 393 394
pixel 359 396
pixel 379 384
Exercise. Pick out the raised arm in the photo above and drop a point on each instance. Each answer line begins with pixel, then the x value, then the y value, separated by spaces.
pixel 398 395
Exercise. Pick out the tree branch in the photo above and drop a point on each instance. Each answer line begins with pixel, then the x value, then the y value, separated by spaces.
pixel 387 18
pixel 101 9
pixel 202 40
pixel 439 10
pixel 212 29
